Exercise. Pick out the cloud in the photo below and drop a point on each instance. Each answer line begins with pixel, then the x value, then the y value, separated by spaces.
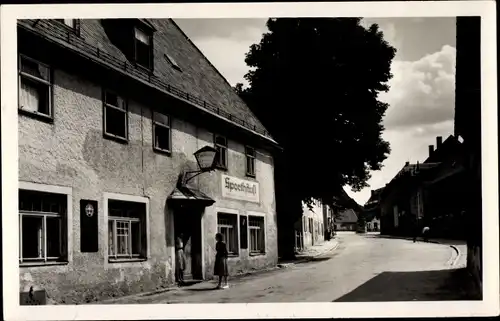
pixel 421 92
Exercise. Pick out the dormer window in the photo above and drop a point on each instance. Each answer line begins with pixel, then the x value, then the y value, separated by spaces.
pixel 72 24
pixel 143 48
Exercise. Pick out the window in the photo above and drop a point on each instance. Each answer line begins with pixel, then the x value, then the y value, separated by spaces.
pixel 257 238
pixel 304 223
pixel 221 147
pixel 42 232
pixel 35 89
pixel 250 161
pixel 115 116
pixel 227 226
pixel 310 225
pixel 126 230
pixel 172 61
pixel 71 23
pixel 162 132
pixel 143 48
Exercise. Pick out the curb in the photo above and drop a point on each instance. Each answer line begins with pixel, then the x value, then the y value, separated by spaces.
pixel 286 265
pixel 458 255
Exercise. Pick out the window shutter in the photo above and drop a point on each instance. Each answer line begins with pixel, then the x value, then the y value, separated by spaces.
pixel 243 231
pixel 144 233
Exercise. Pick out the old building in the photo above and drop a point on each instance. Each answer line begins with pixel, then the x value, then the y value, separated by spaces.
pixel 371 211
pixel 111 112
pixel 431 193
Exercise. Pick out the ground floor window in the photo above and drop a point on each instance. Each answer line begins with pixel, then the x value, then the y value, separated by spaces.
pixel 228 227
pixel 126 230
pixel 257 234
pixel 42 226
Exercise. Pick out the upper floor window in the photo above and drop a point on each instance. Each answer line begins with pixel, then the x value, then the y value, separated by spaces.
pixel 250 161
pixel 143 48
pixel 221 147
pixel 115 116
pixel 35 87
pixel 162 132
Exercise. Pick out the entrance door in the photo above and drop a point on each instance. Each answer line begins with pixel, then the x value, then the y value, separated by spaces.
pixel 187 222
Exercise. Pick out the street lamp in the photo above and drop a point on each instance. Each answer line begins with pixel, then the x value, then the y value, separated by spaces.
pixel 205 157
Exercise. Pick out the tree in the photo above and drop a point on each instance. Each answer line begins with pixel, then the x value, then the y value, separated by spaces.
pixel 314 84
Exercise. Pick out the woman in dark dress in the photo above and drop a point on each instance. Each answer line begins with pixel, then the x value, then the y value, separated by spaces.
pixel 220 268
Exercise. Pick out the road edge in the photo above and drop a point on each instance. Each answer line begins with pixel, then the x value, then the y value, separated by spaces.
pixel 457 251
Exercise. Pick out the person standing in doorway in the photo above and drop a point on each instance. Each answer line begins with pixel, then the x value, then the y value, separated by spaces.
pixel 180 260
pixel 220 268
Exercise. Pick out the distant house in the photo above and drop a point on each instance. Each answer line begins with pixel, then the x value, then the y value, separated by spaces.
pixel 372 211
pixel 346 220
pixel 430 193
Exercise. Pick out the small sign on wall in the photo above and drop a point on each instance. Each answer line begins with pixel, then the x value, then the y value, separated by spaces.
pixel 89 232
pixel 240 189
pixel 243 231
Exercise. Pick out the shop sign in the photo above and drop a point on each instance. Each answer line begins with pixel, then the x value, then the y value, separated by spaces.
pixel 240 189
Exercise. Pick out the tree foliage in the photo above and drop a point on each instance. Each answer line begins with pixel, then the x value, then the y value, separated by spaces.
pixel 314 84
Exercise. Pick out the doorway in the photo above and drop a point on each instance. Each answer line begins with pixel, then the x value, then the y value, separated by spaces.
pixel 187 222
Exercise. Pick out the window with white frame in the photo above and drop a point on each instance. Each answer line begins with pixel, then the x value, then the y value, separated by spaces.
pixel 250 161
pixel 70 23
pixel 115 116
pixel 220 143
pixel 42 226
pixel 162 132
pixel 143 48
pixel 257 234
pixel 227 225
pixel 126 230
pixel 35 87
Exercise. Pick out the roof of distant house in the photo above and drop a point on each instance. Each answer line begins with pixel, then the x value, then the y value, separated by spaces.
pixel 347 216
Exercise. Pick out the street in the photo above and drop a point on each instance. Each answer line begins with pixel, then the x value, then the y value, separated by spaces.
pixel 362 268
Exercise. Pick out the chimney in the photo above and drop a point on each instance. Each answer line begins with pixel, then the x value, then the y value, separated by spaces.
pixel 407 164
pixel 439 141
pixel 431 150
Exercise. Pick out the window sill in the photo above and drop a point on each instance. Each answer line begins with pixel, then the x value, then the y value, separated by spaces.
pixel 34 114
pixel 35 264
pixel 149 70
pixel 257 253
pixel 233 255
pixel 162 151
pixel 125 260
pixel 251 175
pixel 221 168
pixel 116 138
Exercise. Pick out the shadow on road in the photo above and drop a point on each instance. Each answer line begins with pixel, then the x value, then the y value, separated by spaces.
pixel 440 285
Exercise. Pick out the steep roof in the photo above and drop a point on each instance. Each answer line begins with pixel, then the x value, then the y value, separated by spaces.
pixel 195 79
pixel 347 216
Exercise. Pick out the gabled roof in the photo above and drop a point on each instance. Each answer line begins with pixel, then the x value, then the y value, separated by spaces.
pixel 347 216
pixel 196 80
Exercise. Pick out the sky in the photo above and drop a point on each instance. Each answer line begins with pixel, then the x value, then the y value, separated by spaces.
pixel 422 91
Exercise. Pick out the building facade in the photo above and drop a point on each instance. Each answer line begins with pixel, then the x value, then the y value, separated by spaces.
pixel 110 115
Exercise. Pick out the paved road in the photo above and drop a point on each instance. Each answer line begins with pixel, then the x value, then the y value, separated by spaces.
pixel 362 268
